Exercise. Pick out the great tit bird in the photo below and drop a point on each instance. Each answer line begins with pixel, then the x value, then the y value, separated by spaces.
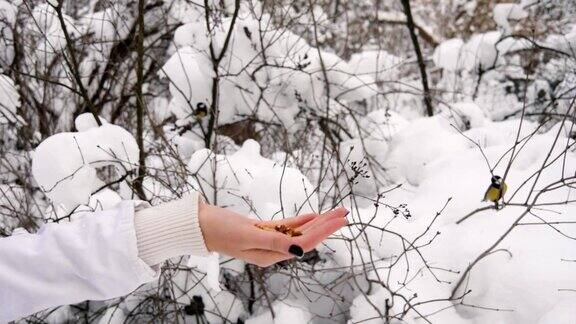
pixel 496 190
pixel 201 110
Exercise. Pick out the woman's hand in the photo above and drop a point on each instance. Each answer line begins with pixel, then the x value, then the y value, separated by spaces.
pixel 238 236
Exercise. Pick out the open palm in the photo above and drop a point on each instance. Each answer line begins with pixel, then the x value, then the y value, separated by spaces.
pixel 238 236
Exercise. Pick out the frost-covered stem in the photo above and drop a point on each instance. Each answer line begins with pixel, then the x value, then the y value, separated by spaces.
pixel 73 63
pixel 470 214
pixel 481 72
pixel 335 14
pixel 260 278
pixel 411 27
pixel 556 138
pixel 212 122
pixel 516 141
pixel 214 110
pixel 216 59
pixel 24 90
pixel 140 105
pixel 321 122
pixel 372 163
pixel 213 113
pixel 252 297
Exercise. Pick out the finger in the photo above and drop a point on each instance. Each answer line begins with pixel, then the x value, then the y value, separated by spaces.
pixel 337 212
pixel 291 221
pixel 331 214
pixel 317 234
pixel 273 241
pixel 322 228
pixel 263 258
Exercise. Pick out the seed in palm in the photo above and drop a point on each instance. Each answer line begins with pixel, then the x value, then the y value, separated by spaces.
pixel 281 229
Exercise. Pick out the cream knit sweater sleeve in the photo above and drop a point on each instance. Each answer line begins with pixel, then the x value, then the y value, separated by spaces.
pixel 169 230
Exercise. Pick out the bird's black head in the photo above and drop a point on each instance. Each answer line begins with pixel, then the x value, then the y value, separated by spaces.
pixel 201 110
pixel 497 180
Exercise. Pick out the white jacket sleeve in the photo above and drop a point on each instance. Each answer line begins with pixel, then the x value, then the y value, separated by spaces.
pixel 98 257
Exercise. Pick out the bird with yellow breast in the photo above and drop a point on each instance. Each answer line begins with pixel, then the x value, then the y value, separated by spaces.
pixel 496 190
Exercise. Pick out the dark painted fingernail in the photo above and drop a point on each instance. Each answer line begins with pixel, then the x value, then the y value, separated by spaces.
pixel 296 250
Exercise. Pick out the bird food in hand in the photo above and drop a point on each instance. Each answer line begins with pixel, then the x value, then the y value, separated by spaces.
pixel 280 228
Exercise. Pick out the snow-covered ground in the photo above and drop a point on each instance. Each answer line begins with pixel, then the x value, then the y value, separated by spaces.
pixel 328 130
pixel 528 277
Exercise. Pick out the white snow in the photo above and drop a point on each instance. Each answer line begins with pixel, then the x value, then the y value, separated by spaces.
pixel 210 265
pixel 565 43
pixel 85 122
pixel 47 24
pixel 192 34
pixel 9 100
pixel 379 64
pixel 432 136
pixel 64 165
pixel 479 52
pixel 107 26
pixel 455 169
pixel 251 184
pixel 466 115
pixel 447 54
pixel 561 312
pixel 189 82
pixel 113 315
pixel 278 77
pixel 370 309
pixel 224 305
pixel 101 200
pixel 504 12
pixel 284 83
pixel 8 10
pixel 286 312
pixel 345 84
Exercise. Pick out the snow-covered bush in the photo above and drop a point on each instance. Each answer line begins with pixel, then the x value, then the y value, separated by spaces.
pixel 276 108
pixel 64 164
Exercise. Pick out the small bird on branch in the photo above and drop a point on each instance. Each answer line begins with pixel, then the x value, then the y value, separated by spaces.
pixel 496 190
pixel 201 110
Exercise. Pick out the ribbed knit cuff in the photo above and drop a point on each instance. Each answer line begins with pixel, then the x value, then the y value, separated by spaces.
pixel 169 230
